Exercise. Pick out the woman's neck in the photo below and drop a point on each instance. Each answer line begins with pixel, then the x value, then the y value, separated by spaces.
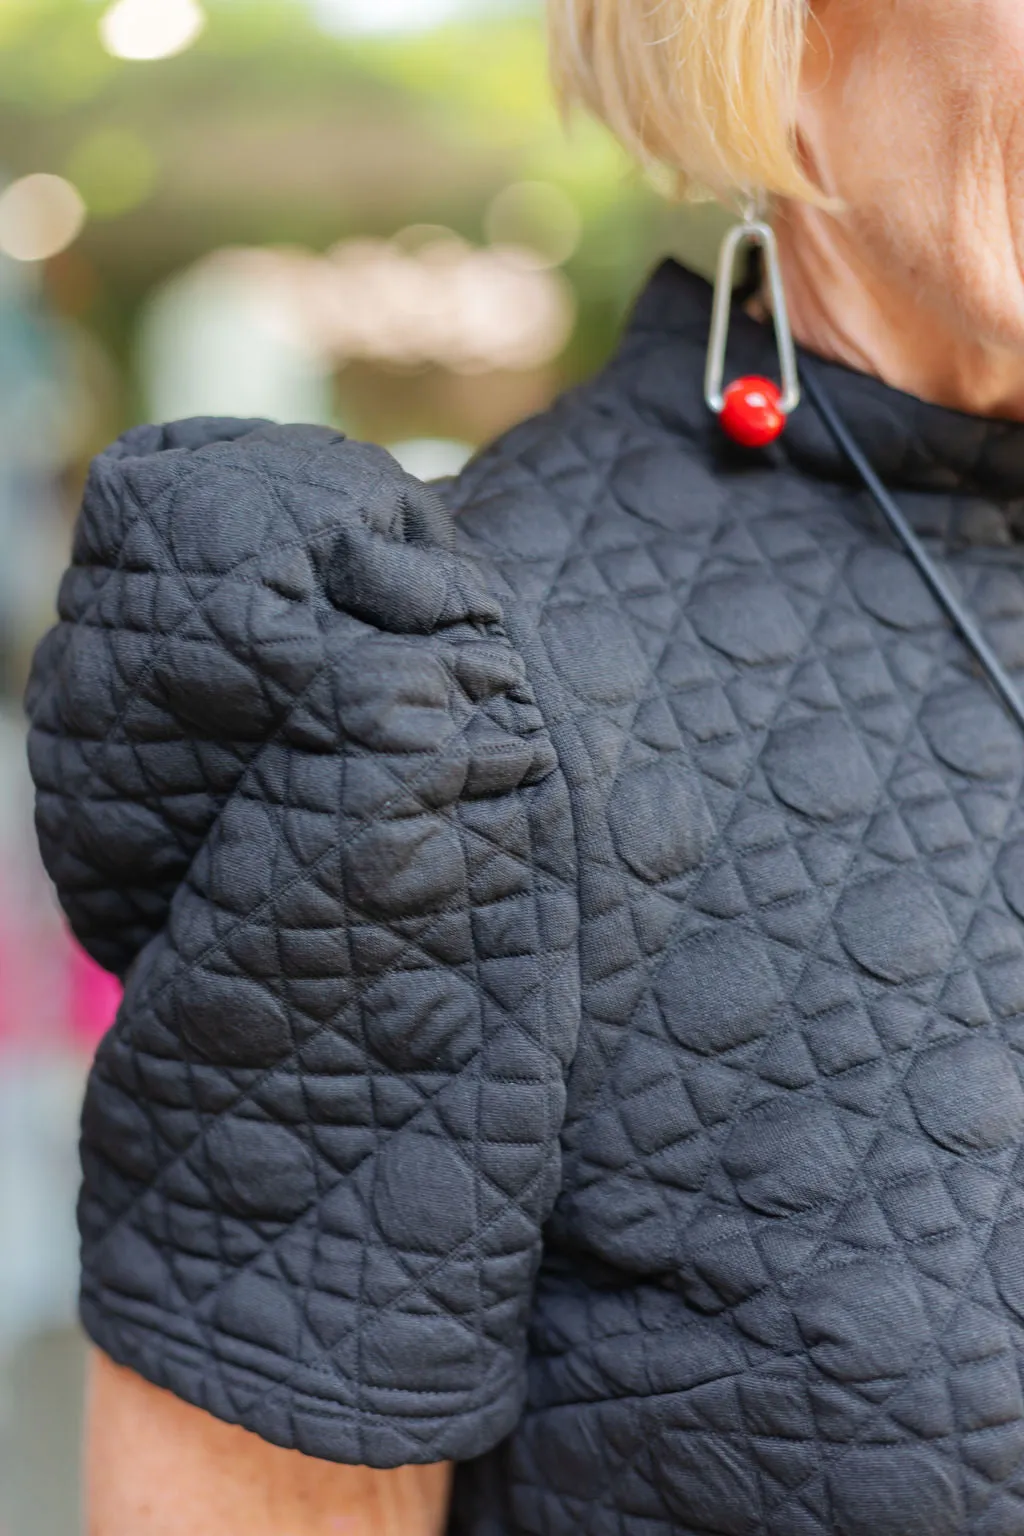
pixel 843 307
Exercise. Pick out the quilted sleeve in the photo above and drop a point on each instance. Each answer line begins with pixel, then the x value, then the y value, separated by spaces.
pixel 293 783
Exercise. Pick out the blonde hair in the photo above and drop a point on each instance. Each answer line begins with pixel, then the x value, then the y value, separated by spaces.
pixel 706 88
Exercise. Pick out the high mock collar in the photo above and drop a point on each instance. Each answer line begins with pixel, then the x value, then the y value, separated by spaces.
pixel 910 443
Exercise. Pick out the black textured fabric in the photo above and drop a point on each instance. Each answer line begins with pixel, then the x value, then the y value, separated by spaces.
pixel 574 960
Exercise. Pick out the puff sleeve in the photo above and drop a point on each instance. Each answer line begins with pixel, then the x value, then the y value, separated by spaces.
pixel 293 785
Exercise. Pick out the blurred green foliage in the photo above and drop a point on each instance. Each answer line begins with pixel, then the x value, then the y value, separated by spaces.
pixel 270 131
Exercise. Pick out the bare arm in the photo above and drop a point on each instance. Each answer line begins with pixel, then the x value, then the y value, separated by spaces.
pixel 157 1467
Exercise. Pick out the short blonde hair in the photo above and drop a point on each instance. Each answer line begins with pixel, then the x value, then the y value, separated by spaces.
pixel 706 88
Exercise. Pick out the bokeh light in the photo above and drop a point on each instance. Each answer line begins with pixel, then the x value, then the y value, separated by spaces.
pixel 431 458
pixel 114 169
pixel 40 215
pixel 151 29
pixel 348 16
pixel 437 301
pixel 403 304
pixel 535 217
pixel 225 338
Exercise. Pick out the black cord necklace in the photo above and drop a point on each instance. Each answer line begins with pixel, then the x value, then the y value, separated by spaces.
pixel 753 411
pixel 958 615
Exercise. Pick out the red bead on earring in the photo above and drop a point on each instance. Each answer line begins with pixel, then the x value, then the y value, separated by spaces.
pixel 751 412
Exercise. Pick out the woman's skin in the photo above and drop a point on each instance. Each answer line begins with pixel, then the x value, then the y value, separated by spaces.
pixel 913 114
pixel 157 1467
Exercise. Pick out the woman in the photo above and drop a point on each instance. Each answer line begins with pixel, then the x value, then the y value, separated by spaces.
pixel 574 953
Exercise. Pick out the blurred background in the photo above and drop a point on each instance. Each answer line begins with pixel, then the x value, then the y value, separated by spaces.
pixel 359 212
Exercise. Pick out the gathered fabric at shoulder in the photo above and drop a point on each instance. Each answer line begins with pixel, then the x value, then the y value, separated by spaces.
pixel 290 773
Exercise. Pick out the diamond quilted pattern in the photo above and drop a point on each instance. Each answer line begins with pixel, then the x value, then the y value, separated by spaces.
pixel 301 816
pixel 638 863
pixel 773 1298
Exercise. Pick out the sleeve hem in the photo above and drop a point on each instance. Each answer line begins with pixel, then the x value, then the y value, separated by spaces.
pixel 285 1414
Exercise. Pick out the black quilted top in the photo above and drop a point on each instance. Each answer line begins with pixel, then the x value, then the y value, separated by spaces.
pixel 574 962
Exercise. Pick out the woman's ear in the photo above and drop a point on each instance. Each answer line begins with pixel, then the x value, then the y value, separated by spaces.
pixel 819 82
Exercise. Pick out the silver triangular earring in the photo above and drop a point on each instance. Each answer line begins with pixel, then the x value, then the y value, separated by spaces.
pixel 752 410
